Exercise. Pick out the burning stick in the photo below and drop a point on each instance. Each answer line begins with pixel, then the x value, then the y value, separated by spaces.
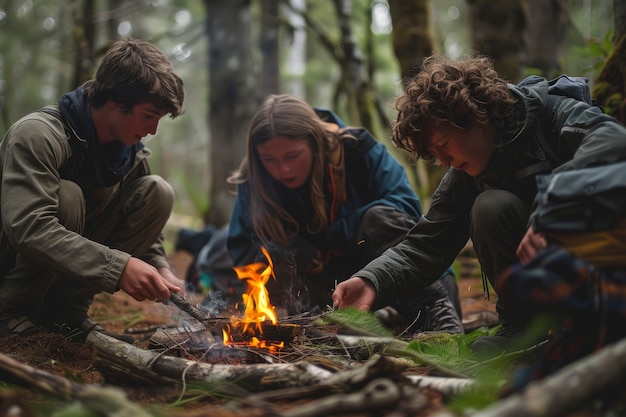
pixel 188 308
pixel 259 313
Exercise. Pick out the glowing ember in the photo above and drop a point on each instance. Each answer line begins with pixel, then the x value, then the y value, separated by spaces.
pixel 258 308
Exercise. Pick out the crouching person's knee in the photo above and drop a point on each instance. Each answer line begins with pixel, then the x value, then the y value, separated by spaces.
pixel 382 227
pixel 157 195
pixel 72 207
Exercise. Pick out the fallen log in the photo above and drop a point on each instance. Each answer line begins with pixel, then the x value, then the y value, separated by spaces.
pixel 444 385
pixel 126 363
pixel 101 400
pixel 378 394
pixel 394 347
pixel 571 388
pixel 43 381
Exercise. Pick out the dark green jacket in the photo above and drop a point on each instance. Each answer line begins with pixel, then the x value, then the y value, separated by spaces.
pixel 580 134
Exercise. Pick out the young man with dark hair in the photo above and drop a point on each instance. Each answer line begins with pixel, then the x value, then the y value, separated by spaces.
pixel 81 213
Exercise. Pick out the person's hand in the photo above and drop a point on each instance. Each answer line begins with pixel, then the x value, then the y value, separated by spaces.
pixel 529 246
pixel 354 292
pixel 172 278
pixel 142 281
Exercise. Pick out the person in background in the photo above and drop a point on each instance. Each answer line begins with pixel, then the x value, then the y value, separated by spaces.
pixel 81 212
pixel 324 199
pixel 465 116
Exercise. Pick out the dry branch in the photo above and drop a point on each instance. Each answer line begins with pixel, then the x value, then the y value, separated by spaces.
pixel 569 389
pixel 444 385
pixel 99 399
pixel 43 381
pixel 118 359
pixel 395 347
pixel 378 394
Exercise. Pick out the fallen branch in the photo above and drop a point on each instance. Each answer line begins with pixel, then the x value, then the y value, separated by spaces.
pixel 43 381
pixel 443 385
pixel 117 359
pixel 396 347
pixel 569 389
pixel 95 398
pixel 378 394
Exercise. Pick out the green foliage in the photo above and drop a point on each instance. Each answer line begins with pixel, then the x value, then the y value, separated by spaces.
pixel 196 194
pixel 483 394
pixel 595 53
pixel 450 353
pixel 95 401
pixel 198 391
pixel 357 321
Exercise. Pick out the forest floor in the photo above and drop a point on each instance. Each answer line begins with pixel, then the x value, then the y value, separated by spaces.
pixel 119 312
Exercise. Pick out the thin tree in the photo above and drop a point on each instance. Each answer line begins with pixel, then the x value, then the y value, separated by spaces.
pixel 232 97
pixel 84 36
pixel 354 86
pixel 499 29
pixel 269 47
pixel 610 85
pixel 548 25
pixel 413 39
pixel 413 36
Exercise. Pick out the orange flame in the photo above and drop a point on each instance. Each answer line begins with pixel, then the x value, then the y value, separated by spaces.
pixel 256 300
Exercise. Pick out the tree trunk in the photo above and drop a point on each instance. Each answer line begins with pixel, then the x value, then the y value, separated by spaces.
pixel 355 82
pixel 414 39
pixel 84 36
pixel 499 29
pixel 610 86
pixel 268 44
pixel 413 36
pixel 548 26
pixel 232 97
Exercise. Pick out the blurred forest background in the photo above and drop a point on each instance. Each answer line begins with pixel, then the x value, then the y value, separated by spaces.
pixel 347 55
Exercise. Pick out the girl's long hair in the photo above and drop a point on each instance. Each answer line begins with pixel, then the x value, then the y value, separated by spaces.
pixel 289 117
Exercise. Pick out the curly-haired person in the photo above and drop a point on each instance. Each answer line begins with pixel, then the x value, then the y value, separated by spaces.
pixel 463 115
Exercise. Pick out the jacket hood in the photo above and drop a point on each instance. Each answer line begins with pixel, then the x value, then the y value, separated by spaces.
pixel 107 164
pixel 76 111
pixel 532 96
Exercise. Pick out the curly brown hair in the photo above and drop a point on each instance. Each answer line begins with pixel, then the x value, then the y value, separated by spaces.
pixel 449 94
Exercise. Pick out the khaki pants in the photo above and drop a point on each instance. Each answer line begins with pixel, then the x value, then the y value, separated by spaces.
pixel 130 220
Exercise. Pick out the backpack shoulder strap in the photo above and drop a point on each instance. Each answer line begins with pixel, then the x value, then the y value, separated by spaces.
pixel 546 125
pixel 547 157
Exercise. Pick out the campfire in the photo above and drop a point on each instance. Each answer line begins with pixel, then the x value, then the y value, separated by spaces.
pixel 259 325
pixel 244 338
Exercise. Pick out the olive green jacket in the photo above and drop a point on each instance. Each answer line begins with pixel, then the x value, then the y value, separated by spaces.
pixel 34 155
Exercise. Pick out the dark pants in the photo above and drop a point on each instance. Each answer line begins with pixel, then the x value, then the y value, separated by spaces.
pixel 294 292
pixel 499 220
pixel 381 228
